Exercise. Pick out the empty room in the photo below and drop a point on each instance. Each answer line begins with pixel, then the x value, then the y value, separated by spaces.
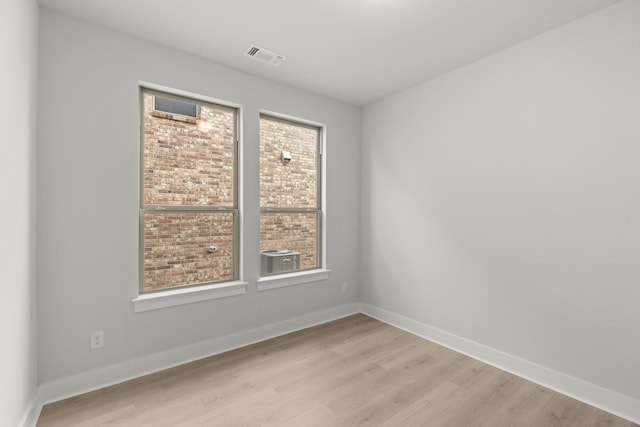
pixel 320 213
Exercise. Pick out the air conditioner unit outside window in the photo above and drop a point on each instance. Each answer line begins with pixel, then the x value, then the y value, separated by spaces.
pixel 279 261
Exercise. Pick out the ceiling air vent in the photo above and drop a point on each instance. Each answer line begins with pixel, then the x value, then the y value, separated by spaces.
pixel 265 55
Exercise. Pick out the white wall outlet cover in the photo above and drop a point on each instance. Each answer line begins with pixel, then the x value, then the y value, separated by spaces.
pixel 97 339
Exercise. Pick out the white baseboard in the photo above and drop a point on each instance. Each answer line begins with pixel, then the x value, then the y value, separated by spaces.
pixel 103 377
pixel 31 414
pixel 615 403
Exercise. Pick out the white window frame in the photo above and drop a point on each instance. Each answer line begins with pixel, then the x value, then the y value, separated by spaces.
pixel 321 273
pixel 163 298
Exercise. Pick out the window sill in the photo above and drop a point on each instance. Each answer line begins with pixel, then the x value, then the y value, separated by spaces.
pixel 173 297
pixel 291 279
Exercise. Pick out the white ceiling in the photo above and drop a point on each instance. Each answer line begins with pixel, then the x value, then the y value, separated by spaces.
pixel 356 51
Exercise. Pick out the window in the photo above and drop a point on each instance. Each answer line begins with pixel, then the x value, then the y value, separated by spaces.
pixel 290 196
pixel 171 107
pixel 189 229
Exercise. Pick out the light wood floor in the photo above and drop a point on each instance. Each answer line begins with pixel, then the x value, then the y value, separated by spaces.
pixel 351 372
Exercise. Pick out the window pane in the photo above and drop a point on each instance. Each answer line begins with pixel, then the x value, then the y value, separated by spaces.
pixel 176 248
pixel 173 106
pixel 293 231
pixel 189 163
pixel 292 184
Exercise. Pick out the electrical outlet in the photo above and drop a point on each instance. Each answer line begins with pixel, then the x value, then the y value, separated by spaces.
pixel 97 339
pixel 345 288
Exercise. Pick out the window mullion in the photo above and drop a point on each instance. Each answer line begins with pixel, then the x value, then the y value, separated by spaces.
pixel 168 208
pixel 286 210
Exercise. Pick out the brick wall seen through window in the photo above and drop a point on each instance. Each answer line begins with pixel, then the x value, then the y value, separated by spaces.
pixel 290 192
pixel 189 195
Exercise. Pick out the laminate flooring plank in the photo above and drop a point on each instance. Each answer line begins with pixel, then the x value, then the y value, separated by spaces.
pixel 484 396
pixel 371 342
pixel 599 418
pixel 567 412
pixel 340 385
pixel 281 413
pixel 397 356
pixel 521 408
pixel 326 378
pixel 318 416
pixel 251 399
pixel 561 411
pixel 164 414
pixel 99 404
pixel 394 390
pixel 349 372
pixel 224 419
pixel 86 419
pixel 433 409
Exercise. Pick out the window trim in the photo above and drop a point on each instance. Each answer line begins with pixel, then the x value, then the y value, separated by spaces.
pixel 206 289
pixel 275 281
pixel 320 272
pixel 171 297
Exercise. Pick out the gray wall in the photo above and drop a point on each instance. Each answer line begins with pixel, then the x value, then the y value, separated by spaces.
pixel 501 201
pixel 18 49
pixel 88 199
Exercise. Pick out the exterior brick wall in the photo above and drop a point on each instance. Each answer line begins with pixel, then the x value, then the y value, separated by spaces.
pixel 294 231
pixel 187 162
pixel 176 249
pixel 293 184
